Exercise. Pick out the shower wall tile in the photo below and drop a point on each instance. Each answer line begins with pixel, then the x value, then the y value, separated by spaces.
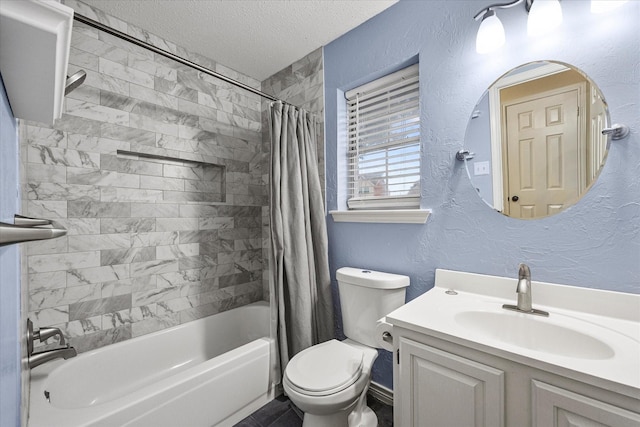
pixel 65 261
pixel 123 133
pixel 98 241
pixel 62 296
pixel 91 111
pixel 62 157
pixel 157 171
pixel 87 276
pixel 49 280
pixel 154 239
pixel 45 247
pixel 86 309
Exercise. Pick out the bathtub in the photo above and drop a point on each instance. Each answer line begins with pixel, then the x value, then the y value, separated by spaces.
pixel 209 372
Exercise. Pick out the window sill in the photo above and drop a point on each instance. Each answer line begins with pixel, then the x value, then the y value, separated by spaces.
pixel 397 216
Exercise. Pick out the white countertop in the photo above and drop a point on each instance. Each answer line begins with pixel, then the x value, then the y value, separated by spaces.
pixel 612 318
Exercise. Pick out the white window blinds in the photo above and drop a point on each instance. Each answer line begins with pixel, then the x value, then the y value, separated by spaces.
pixel 384 142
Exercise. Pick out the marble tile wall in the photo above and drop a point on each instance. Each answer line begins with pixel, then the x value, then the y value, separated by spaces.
pixel 159 174
pixel 300 84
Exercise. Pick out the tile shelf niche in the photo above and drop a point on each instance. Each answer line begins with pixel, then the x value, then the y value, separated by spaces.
pixel 183 180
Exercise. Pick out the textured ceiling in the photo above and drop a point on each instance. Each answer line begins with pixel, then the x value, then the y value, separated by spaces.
pixel 255 37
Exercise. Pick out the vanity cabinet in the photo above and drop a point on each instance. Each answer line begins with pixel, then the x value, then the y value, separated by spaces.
pixel 438 383
pixel 557 407
pixel 443 389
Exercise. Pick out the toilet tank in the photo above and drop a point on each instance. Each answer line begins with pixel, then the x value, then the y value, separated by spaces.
pixel 365 297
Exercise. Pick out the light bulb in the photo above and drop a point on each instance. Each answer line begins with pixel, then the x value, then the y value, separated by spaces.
pixel 602 6
pixel 544 16
pixel 490 34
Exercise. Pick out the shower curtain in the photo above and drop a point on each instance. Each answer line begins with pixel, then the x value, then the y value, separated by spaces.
pixel 301 302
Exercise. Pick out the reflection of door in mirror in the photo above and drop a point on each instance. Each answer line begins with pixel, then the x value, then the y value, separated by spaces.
pixel 597 150
pixel 541 148
pixel 544 149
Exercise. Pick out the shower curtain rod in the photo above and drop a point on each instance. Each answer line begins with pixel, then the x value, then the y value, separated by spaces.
pixel 138 42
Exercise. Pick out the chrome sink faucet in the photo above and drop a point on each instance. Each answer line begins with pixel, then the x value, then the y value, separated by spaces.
pixel 38 358
pixel 523 289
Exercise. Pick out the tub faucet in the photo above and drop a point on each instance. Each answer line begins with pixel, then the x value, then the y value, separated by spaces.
pixel 523 289
pixel 37 359
pixel 43 334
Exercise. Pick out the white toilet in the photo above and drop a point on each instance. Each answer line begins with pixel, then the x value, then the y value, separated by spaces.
pixel 329 381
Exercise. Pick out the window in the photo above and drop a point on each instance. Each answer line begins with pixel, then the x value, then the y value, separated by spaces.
pixel 384 142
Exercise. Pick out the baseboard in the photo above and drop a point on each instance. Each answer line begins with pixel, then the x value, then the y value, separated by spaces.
pixel 381 393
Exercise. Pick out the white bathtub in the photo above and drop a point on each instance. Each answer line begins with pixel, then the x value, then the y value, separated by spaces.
pixel 209 372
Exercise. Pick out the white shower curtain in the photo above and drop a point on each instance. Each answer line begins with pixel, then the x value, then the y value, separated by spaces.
pixel 300 286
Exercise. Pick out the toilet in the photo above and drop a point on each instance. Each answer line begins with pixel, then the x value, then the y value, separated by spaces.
pixel 329 381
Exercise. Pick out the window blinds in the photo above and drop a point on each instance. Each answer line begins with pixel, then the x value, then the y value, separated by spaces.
pixel 384 142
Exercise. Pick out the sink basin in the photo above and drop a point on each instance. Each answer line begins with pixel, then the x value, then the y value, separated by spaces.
pixel 535 333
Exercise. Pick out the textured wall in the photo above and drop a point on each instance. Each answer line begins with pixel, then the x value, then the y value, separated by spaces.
pixel 595 243
pixel 168 234
pixel 300 84
pixel 10 317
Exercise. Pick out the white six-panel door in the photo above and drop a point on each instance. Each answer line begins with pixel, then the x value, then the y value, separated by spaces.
pixel 543 152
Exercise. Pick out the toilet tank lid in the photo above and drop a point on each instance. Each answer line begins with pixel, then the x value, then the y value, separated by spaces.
pixel 371 279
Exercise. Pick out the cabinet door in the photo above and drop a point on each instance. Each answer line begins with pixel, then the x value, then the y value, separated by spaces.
pixel 441 389
pixel 557 407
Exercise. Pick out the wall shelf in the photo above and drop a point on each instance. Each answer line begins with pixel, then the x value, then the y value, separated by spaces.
pixel 35 40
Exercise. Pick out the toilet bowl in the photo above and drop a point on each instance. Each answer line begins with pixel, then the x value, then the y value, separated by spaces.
pixel 329 381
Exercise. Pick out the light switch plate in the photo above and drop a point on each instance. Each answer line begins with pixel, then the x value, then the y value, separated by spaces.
pixel 481 168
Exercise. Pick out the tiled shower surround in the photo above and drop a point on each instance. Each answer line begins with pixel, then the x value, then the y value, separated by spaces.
pixel 159 174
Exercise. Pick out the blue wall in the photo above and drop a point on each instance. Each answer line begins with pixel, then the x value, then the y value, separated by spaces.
pixel 9 269
pixel 595 243
pixel 478 141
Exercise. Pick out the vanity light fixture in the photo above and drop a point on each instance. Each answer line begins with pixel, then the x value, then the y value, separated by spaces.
pixel 490 34
pixel 544 15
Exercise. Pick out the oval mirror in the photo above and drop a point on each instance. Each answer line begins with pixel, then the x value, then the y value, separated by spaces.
pixel 536 138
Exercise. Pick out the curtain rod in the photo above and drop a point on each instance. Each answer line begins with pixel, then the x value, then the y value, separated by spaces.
pixel 138 42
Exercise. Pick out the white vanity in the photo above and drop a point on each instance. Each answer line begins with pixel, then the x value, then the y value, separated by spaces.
pixel 462 360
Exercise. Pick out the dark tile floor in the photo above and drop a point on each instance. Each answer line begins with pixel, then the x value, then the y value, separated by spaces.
pixel 281 412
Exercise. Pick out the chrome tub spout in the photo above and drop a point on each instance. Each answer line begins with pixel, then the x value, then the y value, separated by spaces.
pixel 37 359
pixel 43 334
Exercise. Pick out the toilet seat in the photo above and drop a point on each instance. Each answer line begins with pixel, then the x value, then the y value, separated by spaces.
pixel 325 368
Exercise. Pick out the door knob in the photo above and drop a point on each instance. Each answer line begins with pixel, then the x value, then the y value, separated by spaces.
pixel 515 198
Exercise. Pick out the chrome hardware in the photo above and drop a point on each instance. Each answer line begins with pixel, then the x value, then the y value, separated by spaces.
pixel 617 131
pixel 524 288
pixel 25 229
pixel 43 334
pixel 463 155
pixel 533 310
pixel 387 337
pixel 39 358
pixel 450 292
pixel 524 293
pixel 25 221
